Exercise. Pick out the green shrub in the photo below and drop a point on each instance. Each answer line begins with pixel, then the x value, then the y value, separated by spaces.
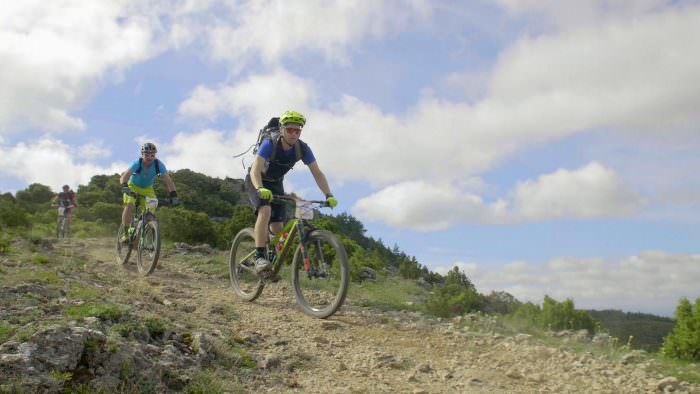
pixel 40 259
pixel 181 225
pixel 456 297
pixel 107 212
pixel 6 331
pixel 684 342
pixel 11 215
pixel 106 312
pixel 554 315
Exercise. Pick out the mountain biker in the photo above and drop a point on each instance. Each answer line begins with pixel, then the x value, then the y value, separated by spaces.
pixel 65 199
pixel 139 178
pixel 265 180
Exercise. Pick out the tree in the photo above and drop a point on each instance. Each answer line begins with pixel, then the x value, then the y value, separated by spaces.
pixel 35 197
pixel 684 342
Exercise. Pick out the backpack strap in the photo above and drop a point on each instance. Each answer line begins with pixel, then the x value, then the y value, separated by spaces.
pixel 298 150
pixel 138 170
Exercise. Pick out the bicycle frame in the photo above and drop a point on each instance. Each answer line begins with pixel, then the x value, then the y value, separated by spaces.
pixel 139 218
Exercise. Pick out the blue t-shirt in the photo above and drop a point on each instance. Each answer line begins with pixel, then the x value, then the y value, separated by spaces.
pixel 265 152
pixel 147 175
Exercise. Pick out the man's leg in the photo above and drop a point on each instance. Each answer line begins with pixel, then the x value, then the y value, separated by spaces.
pixel 261 226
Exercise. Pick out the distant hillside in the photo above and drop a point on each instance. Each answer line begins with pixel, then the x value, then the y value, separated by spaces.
pixel 648 331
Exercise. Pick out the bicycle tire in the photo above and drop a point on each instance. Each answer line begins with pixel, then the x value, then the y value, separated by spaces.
pixel 123 251
pixel 150 246
pixel 244 281
pixel 60 229
pixel 323 292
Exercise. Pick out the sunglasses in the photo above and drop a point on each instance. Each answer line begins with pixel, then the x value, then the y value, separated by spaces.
pixel 149 154
pixel 293 130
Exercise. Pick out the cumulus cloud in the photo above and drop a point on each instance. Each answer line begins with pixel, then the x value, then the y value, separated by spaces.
pixel 422 206
pixel 651 282
pixel 590 191
pixel 565 14
pixel 587 192
pixel 54 55
pixel 276 91
pixel 52 163
pixel 621 76
pixel 208 151
pixel 273 29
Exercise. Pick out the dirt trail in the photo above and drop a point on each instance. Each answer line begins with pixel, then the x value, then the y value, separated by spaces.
pixel 360 350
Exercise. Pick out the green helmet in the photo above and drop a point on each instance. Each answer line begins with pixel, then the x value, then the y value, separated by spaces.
pixel 292 117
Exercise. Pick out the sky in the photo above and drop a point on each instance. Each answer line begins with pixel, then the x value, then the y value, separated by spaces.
pixel 542 146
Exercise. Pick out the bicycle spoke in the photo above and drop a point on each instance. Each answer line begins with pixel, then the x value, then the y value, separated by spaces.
pixel 244 281
pixel 321 282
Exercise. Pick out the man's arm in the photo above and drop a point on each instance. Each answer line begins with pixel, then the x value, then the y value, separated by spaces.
pixel 256 172
pixel 319 178
pixel 124 178
pixel 169 184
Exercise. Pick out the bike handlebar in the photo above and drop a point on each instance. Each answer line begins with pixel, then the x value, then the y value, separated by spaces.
pixel 297 200
pixel 136 195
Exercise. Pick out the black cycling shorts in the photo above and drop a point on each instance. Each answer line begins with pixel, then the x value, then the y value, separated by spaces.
pixel 279 212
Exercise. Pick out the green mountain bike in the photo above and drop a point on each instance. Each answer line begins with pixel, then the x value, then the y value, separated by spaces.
pixel 319 268
pixel 143 235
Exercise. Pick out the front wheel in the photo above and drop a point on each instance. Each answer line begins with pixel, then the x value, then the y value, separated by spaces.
pixel 149 248
pixel 321 282
pixel 123 249
pixel 241 266
pixel 61 227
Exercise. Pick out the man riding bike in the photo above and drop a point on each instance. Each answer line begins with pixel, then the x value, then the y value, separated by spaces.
pixel 266 176
pixel 141 175
pixel 65 200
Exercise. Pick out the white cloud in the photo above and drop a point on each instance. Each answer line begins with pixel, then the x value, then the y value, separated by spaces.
pixel 565 14
pixel 421 206
pixel 54 55
pixel 588 192
pixel 275 29
pixel 208 151
pixel 652 282
pixel 253 100
pixel 52 163
pixel 626 75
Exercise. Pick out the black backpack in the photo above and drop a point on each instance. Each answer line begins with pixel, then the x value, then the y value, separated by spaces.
pixel 138 170
pixel 272 132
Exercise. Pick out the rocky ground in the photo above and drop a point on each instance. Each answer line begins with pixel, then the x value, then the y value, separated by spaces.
pixel 182 329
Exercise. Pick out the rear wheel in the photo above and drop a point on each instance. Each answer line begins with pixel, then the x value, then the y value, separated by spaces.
pixel 123 249
pixel 149 248
pixel 244 281
pixel 321 283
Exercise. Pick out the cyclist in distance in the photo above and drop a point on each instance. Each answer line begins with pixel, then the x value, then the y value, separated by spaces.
pixel 66 199
pixel 267 174
pixel 139 178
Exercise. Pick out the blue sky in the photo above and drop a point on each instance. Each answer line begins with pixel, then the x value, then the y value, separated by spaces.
pixel 544 147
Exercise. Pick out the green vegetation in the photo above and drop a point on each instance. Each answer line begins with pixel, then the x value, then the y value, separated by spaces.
pixel 647 330
pixel 6 331
pixel 214 210
pixel 206 382
pixel 105 312
pixel 684 342
pixel 553 315
pixel 40 259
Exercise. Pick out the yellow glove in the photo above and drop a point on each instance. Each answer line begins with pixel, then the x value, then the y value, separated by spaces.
pixel 331 201
pixel 265 194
